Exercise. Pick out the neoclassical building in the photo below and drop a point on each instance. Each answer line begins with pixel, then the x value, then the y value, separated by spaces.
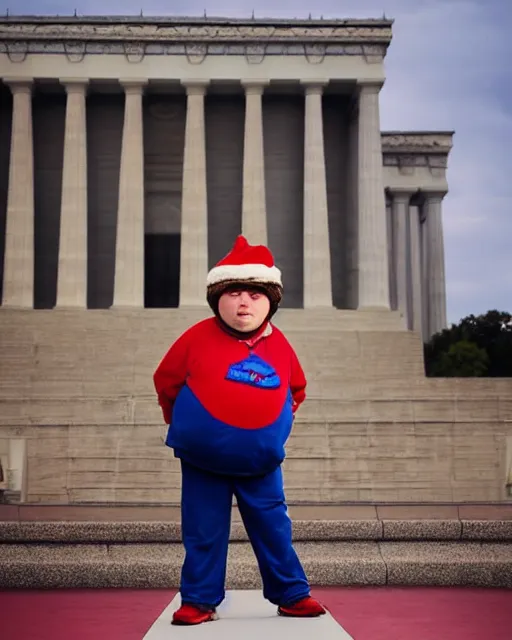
pixel 133 151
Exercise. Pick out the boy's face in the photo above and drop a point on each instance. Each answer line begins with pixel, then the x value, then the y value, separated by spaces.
pixel 244 309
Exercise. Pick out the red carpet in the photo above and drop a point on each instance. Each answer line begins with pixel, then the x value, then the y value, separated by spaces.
pixel 421 613
pixel 80 615
pixel 366 613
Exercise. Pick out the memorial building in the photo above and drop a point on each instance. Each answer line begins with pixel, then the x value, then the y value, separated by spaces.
pixel 132 152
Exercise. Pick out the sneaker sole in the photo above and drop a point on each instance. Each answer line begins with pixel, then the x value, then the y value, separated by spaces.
pixel 182 623
pixel 284 614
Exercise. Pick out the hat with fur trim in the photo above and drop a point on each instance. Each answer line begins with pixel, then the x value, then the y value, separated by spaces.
pixel 245 264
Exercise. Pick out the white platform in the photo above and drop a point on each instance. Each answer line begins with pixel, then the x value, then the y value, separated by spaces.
pixel 246 615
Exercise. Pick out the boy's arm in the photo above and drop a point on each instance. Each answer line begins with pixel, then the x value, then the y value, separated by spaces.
pixel 297 383
pixel 171 375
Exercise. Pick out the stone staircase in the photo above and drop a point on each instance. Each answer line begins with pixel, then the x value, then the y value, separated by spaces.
pixel 77 406
pixel 113 353
pixel 134 547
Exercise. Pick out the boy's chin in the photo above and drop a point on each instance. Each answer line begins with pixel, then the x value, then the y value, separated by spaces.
pixel 243 326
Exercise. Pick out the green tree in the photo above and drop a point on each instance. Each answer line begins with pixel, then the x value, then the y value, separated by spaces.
pixel 462 360
pixel 448 353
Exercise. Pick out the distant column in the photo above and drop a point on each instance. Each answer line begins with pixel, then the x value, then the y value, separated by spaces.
pixel 351 221
pixel 400 205
pixel 317 257
pixel 416 282
pixel 391 251
pixel 18 280
pixel 424 274
pixel 194 208
pixel 373 249
pixel 254 214
pixel 129 269
pixel 72 268
pixel 435 263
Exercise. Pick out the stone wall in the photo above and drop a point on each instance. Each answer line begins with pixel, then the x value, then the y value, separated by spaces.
pixel 433 456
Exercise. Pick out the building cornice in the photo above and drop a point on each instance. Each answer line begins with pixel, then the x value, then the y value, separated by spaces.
pixel 200 20
pixel 210 36
pixel 417 142
pixel 407 150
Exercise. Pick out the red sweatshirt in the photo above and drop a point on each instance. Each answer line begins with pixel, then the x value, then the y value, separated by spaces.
pixel 230 403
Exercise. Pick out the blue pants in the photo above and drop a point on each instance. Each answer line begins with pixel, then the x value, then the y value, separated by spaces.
pixel 206 518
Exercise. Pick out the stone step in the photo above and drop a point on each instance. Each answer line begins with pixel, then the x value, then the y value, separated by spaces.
pixel 383 399
pixel 176 320
pixel 488 512
pixel 327 461
pixel 46 566
pixel 72 353
pixel 96 413
pixel 64 383
pixel 339 320
pixel 472 397
pixel 63 341
pixel 424 530
pixel 144 410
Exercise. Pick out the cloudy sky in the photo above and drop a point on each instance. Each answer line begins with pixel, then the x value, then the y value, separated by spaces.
pixel 449 67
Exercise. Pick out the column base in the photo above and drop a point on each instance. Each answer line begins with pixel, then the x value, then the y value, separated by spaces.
pixel 16 307
pixel 194 305
pixel 375 308
pixel 127 306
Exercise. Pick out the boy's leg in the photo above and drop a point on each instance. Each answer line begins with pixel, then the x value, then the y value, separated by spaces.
pixel 262 505
pixel 205 519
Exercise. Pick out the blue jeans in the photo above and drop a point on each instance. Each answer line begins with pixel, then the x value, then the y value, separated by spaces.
pixel 206 519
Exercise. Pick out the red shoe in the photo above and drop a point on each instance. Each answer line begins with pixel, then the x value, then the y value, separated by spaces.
pixel 189 614
pixel 305 608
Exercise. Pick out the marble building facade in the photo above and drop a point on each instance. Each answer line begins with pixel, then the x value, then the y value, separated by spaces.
pixel 133 151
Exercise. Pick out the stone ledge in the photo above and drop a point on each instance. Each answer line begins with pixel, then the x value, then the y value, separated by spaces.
pixel 422 530
pixel 156 532
pixel 422 142
pixel 81 532
pixel 167 512
pixel 448 564
pixel 341 563
pixel 486 529
pixel 189 30
pixel 201 21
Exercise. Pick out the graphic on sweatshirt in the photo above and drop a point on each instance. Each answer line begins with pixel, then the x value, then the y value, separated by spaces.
pixel 255 372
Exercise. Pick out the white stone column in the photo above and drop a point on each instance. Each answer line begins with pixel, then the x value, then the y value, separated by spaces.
pixel 194 207
pixel 317 256
pixel 391 251
pixel 373 250
pixel 254 210
pixel 18 276
pixel 72 268
pixel 424 273
pixel 400 205
pixel 435 263
pixel 351 222
pixel 129 268
pixel 416 281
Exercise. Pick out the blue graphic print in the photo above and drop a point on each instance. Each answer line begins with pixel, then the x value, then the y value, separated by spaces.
pixel 255 372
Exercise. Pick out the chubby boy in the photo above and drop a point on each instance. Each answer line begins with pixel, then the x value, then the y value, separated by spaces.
pixel 229 388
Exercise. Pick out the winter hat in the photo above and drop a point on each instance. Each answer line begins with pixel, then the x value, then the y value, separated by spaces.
pixel 245 265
